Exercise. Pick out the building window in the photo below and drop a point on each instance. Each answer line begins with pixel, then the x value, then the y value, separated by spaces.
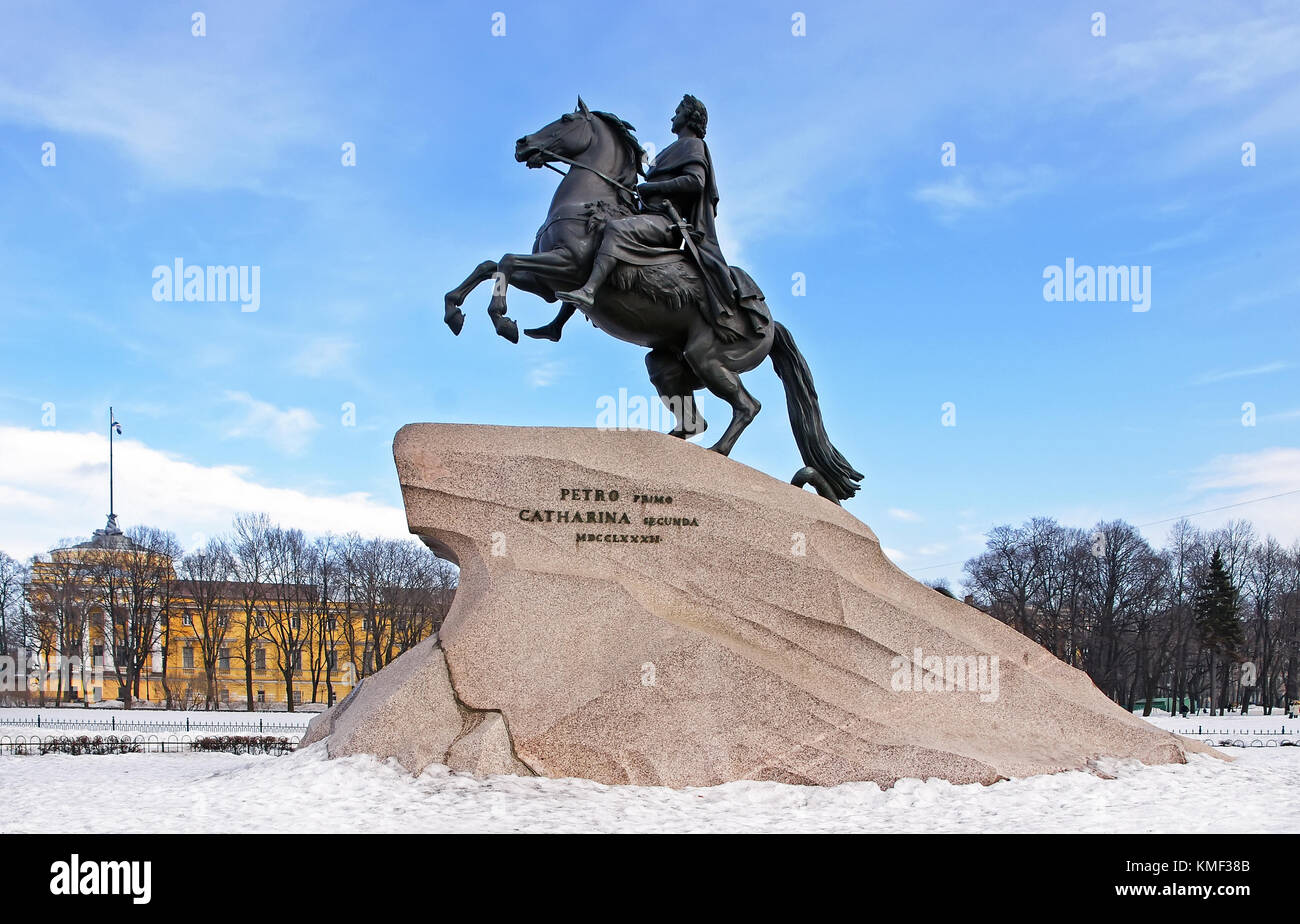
pixel 297 697
pixel 259 659
pixel 187 657
pixel 224 661
pixel 260 622
pixel 295 622
pixel 297 660
pixel 187 619
pixel 331 624
pixel 333 660
pixel 261 696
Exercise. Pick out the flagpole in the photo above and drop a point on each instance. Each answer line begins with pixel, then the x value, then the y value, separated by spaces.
pixel 110 463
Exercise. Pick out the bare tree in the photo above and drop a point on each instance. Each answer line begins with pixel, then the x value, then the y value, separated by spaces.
pixel 171 600
pixel 59 602
pixel 205 582
pixel 1003 578
pixel 1129 614
pixel 130 587
pixel 393 594
pixel 39 632
pixel 293 601
pixel 1289 628
pixel 1263 586
pixel 1185 554
pixel 1125 586
pixel 323 628
pixel 251 569
pixel 425 586
pixel 13 576
pixel 367 575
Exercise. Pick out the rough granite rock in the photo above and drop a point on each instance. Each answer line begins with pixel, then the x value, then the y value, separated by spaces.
pixel 485 748
pixel 762 635
pixel 409 711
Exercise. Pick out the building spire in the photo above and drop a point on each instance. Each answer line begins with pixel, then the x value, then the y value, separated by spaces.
pixel 111 528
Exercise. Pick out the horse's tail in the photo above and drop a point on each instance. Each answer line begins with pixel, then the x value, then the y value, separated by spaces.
pixel 815 447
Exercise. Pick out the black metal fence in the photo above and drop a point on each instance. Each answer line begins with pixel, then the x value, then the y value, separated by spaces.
pixel 133 724
pixel 140 744
pixel 1239 738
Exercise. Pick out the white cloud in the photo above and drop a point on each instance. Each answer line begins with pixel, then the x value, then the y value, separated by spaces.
pixel 950 195
pixel 1202 66
pixel 544 374
pixel 909 516
pixel 1265 369
pixel 190 115
pixel 1286 290
pixel 288 430
pixel 1177 242
pixel 323 356
pixel 54 484
pixel 983 188
pixel 1232 479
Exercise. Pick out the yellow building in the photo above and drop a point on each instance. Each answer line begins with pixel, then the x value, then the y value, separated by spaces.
pixel 178 643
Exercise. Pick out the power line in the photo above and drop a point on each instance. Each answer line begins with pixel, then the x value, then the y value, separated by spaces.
pixel 1217 509
pixel 949 564
pixel 946 564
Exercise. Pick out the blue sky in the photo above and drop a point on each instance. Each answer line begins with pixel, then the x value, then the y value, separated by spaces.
pixel 924 282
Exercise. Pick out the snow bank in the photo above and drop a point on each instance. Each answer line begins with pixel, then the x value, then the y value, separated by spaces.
pixel 306 793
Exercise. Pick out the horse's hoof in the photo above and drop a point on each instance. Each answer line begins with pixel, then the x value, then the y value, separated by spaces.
pixel 810 475
pixel 682 434
pixel 455 320
pixel 508 329
pixel 544 333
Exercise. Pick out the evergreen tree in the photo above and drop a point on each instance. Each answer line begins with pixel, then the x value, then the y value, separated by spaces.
pixel 1215 606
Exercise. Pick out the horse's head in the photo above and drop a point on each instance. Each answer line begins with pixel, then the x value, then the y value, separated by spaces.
pixel 600 140
pixel 570 135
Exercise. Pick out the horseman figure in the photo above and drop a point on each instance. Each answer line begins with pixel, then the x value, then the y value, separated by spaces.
pixel 703 322
pixel 682 175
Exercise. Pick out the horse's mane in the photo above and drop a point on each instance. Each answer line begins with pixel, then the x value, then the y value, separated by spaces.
pixel 623 132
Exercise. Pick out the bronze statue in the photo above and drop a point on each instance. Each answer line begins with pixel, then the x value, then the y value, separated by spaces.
pixel 681 182
pixel 615 251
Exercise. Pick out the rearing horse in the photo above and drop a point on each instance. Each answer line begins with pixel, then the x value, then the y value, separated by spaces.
pixel 648 306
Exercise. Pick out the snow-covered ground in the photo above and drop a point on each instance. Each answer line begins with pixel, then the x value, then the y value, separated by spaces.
pixel 1208 724
pixel 303 792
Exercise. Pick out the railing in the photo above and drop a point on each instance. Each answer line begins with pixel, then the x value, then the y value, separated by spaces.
pixel 1240 738
pixel 114 724
pixel 119 744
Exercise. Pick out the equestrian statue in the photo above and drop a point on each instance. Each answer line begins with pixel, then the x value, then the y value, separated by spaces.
pixel 642 262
